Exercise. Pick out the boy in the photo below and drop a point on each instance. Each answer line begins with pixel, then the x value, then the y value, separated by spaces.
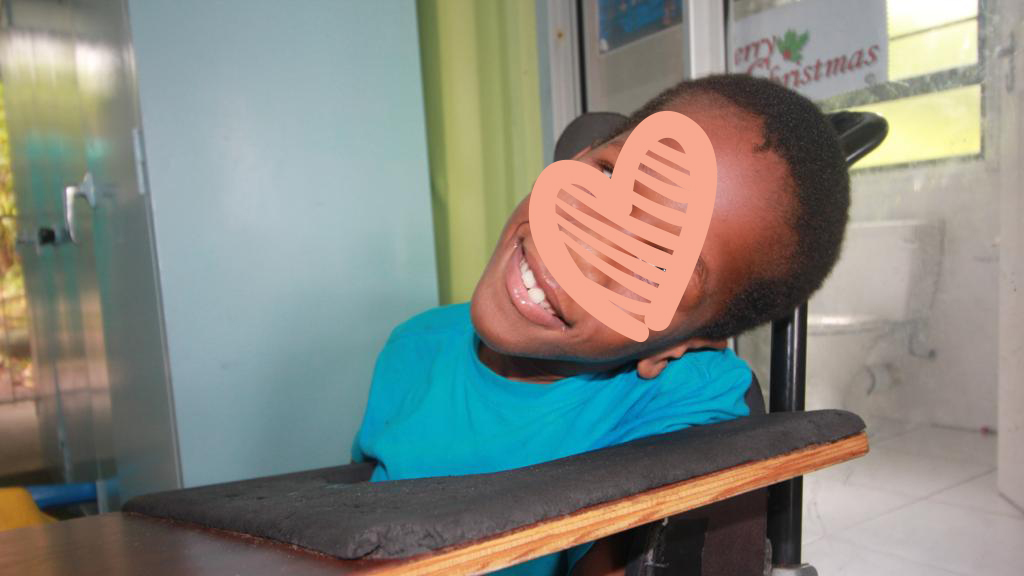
pixel 523 375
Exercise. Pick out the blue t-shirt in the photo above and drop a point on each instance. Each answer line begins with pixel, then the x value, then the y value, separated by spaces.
pixel 436 410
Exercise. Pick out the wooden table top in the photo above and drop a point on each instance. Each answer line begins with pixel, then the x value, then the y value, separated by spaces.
pixel 113 544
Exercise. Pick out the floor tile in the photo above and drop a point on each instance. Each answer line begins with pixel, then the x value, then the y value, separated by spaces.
pixel 811 526
pixel 941 442
pixel 834 557
pixel 979 494
pixel 912 475
pixel 830 507
pixel 949 537
pixel 881 428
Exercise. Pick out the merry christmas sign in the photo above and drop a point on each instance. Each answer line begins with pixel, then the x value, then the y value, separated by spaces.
pixel 820 48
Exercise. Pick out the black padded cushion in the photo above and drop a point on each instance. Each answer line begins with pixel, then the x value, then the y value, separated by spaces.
pixel 321 510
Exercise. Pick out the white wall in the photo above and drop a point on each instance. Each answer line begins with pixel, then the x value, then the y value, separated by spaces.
pixel 291 205
pixel 956 387
pixel 1011 298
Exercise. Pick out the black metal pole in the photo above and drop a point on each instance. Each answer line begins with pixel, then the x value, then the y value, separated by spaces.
pixel 786 394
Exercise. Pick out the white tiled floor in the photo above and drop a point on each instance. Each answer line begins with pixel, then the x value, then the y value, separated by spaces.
pixel 923 501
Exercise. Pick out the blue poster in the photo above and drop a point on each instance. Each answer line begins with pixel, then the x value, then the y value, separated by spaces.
pixel 625 21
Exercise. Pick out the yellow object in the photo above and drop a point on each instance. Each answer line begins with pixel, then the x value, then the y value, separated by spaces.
pixel 17 509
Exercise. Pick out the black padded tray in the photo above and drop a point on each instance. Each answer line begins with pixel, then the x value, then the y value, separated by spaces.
pixel 323 510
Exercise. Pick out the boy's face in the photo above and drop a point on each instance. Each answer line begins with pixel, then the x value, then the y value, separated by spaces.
pixel 746 231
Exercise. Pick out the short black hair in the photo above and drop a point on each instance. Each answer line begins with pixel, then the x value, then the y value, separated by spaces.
pixel 799 133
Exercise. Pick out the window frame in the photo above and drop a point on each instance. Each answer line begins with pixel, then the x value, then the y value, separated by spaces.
pixel 930 83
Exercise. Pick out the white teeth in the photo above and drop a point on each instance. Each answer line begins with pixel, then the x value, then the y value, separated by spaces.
pixel 536 295
pixel 529 280
pixel 534 292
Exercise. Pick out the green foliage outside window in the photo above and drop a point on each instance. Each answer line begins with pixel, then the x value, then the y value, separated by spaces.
pixel 15 360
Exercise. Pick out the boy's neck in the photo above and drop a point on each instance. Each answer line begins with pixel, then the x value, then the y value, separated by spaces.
pixel 534 370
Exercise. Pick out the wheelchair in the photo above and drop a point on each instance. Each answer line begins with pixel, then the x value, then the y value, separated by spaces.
pixel 721 499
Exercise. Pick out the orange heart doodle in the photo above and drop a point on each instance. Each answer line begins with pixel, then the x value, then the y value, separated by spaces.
pixel 684 186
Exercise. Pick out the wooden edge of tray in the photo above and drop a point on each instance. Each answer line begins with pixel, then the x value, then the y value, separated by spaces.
pixel 602 520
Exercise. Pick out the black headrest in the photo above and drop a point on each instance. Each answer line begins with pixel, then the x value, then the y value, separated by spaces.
pixel 859 132
pixel 587 130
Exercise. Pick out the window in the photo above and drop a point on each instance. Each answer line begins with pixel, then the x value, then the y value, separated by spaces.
pixel 933 97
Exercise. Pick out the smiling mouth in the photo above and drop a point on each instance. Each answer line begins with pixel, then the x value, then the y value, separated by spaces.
pixel 527 294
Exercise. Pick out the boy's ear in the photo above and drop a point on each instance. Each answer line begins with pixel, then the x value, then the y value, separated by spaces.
pixel 652 366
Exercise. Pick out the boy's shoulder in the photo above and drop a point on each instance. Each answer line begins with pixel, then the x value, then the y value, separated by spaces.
pixel 440 322
pixel 436 336
pixel 709 361
pixel 707 368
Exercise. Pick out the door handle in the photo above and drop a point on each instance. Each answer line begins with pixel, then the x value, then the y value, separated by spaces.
pixel 86 190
